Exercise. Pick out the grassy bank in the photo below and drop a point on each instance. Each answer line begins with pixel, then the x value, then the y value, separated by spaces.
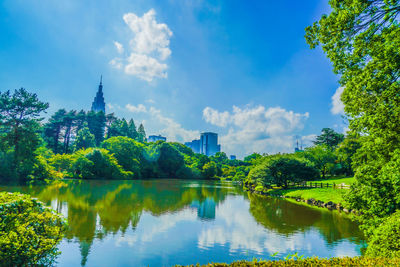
pixel 322 194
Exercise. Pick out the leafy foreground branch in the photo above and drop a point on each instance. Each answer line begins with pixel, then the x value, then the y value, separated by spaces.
pixel 346 261
pixel 29 232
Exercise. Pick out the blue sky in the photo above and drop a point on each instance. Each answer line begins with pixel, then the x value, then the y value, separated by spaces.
pixel 180 67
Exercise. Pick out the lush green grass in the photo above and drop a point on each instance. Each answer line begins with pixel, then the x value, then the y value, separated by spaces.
pixel 335 180
pixel 323 194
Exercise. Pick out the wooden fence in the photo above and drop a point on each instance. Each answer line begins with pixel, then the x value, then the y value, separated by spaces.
pixel 320 185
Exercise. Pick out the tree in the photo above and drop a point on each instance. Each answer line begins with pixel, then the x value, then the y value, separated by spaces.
pixel 329 138
pixel 322 156
pixel 282 169
pixel 128 152
pixel 141 134
pixel 361 38
pixel 345 153
pixel 132 130
pixel 220 157
pixel 97 163
pixel 52 129
pixel 20 117
pixel 209 170
pixel 97 123
pixel 84 138
pixel 170 160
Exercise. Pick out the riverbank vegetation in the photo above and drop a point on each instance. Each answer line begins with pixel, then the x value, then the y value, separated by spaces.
pixel 295 262
pixel 29 232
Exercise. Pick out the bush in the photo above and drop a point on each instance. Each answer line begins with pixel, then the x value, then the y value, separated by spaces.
pixel 127 151
pixel 97 163
pixel 384 241
pixel 310 262
pixel 29 232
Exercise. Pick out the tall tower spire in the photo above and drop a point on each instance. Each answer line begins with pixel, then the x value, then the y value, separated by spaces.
pixel 98 103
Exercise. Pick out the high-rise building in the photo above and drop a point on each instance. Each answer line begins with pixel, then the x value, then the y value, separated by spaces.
pixel 194 145
pixel 98 103
pixel 209 144
pixel 155 138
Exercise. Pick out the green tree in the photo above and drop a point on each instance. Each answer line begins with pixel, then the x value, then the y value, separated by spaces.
pixel 141 134
pixel 97 163
pixel 29 232
pixel 128 152
pixel 345 153
pixel 132 130
pixel 209 170
pixel 282 169
pixel 20 117
pixel 96 122
pixel 361 38
pixel 329 138
pixel 170 160
pixel 84 138
pixel 52 130
pixel 322 157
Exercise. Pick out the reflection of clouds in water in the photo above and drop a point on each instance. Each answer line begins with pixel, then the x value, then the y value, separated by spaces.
pixel 235 227
pixel 150 226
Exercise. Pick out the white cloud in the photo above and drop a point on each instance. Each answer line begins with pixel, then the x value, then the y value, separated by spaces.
pixel 116 63
pixel 149 47
pixel 150 36
pixel 119 47
pixel 257 129
pixel 145 67
pixel 217 118
pixel 173 130
pixel 136 109
pixel 337 104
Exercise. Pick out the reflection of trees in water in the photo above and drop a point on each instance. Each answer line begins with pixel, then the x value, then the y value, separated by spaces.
pixel 287 218
pixel 98 208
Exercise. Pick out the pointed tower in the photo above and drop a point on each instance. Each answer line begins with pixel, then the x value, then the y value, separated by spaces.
pixel 98 103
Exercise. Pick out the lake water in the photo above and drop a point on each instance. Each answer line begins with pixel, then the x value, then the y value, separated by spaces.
pixel 168 222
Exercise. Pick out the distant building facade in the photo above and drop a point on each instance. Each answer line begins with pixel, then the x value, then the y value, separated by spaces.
pixel 194 145
pixel 98 103
pixel 205 209
pixel 232 157
pixel 155 138
pixel 209 144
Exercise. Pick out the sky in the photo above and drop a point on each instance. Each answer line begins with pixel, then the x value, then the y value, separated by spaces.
pixel 238 68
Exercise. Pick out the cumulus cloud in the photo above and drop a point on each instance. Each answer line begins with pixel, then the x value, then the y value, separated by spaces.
pixel 337 104
pixel 145 67
pixel 173 130
pixel 164 125
pixel 149 47
pixel 136 109
pixel 119 47
pixel 257 129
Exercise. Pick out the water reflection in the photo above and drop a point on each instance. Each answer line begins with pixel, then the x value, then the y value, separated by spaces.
pixel 167 222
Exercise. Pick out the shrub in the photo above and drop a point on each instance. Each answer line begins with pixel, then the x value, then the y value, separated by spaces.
pixel 384 241
pixel 29 232
pixel 97 163
pixel 309 262
pixel 127 151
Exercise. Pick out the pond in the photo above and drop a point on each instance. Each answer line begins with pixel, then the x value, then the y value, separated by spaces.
pixel 168 222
